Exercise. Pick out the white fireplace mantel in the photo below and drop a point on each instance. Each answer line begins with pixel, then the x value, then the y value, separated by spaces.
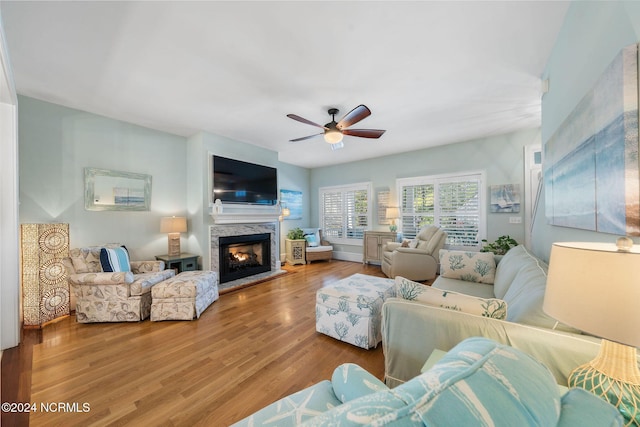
pixel 243 214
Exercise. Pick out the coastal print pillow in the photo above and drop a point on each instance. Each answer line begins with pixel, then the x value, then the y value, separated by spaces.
pixel 485 307
pixel 479 267
pixel 114 260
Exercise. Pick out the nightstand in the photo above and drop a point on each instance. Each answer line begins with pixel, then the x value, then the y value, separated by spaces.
pixel 182 262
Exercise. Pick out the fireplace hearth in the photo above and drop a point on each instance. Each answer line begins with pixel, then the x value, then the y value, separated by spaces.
pixel 243 256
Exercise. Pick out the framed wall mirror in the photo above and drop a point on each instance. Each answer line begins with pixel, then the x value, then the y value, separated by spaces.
pixel 108 190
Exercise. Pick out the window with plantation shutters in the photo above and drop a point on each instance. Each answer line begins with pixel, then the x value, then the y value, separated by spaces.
pixel 345 212
pixel 454 203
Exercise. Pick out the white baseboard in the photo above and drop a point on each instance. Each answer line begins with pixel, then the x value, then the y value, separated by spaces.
pixel 347 256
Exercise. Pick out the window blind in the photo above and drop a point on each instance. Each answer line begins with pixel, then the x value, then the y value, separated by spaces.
pixel 345 212
pixel 452 202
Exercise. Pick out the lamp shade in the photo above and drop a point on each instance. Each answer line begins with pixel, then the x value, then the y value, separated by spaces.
pixel 595 287
pixel 392 213
pixel 174 224
pixel 333 136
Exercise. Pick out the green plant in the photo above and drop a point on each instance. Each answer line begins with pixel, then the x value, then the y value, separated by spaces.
pixel 500 247
pixel 295 234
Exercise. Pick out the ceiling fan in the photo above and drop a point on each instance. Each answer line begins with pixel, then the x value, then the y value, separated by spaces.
pixel 334 131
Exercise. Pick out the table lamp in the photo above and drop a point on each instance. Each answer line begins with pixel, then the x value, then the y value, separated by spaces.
pixel 173 226
pixel 392 213
pixel 595 287
pixel 284 211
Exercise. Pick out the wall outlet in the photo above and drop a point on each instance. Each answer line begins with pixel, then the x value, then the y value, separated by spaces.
pixel 515 220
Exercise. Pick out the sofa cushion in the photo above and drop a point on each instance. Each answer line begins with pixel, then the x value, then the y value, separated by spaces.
pixel 508 267
pixel 525 297
pixel 114 259
pixel 469 266
pixel 482 290
pixel 486 307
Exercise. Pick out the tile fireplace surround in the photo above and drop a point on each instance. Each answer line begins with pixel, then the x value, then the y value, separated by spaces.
pixel 241 221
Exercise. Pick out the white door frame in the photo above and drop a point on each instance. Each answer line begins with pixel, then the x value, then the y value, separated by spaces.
pixel 10 307
pixel 532 183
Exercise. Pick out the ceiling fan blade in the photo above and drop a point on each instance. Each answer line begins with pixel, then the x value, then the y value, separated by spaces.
pixel 305 137
pixel 303 120
pixel 354 116
pixel 364 133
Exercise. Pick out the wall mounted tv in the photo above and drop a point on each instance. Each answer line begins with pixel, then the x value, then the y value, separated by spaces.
pixel 235 181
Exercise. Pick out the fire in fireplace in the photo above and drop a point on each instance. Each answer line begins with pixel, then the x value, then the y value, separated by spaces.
pixel 243 256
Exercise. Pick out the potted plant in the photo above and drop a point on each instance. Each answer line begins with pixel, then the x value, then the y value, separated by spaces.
pixel 500 247
pixel 295 234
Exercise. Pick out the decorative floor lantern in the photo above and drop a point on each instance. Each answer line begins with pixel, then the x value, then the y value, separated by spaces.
pixel 45 290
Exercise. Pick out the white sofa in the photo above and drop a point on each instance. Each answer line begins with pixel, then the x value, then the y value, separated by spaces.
pixel 411 330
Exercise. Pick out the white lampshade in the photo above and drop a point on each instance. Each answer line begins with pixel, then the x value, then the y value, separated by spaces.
pixel 174 224
pixel 595 287
pixel 392 213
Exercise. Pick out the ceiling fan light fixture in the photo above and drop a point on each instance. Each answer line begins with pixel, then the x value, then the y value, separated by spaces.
pixel 333 136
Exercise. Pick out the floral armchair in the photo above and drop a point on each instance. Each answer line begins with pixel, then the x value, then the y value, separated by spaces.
pixel 99 296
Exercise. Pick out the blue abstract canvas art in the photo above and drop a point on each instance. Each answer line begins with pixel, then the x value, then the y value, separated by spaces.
pixel 591 162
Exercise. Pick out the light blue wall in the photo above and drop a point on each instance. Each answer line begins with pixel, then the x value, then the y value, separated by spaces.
pixel 592 35
pixel 56 144
pixel 501 157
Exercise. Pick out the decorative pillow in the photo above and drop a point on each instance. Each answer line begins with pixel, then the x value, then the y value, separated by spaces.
pixel 477 267
pixel 405 244
pixel 413 243
pixel 114 259
pixel 312 240
pixel 486 307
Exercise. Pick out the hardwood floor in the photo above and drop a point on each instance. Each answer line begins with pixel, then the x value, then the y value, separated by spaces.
pixel 250 348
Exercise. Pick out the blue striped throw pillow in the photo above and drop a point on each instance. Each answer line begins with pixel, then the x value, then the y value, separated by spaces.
pixel 114 260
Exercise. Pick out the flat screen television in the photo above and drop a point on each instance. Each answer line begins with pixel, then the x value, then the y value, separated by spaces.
pixel 235 181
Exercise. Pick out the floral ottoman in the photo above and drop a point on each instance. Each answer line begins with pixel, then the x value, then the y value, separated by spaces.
pixel 185 296
pixel 350 309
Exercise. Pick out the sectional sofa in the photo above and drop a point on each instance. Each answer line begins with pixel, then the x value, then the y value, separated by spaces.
pixel 412 328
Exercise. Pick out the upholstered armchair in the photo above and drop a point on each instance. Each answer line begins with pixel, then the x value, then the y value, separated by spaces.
pixel 316 248
pixel 416 259
pixel 111 296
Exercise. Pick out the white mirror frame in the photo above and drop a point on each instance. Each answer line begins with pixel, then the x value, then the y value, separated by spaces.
pixel 108 190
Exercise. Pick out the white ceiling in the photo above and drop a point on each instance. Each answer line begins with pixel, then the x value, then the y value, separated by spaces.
pixel 431 72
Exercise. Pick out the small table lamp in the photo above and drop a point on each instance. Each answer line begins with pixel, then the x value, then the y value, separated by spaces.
pixel 595 287
pixel 392 213
pixel 174 226
pixel 284 211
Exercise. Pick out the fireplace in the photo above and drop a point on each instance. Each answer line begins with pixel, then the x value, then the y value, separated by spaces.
pixel 243 256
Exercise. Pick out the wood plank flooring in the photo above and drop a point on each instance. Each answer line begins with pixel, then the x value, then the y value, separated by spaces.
pixel 250 348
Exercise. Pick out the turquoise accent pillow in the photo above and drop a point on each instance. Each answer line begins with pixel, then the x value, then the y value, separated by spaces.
pixel 114 260
pixel 312 240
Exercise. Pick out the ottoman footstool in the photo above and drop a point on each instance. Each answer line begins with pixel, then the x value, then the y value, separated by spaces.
pixel 185 296
pixel 350 310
